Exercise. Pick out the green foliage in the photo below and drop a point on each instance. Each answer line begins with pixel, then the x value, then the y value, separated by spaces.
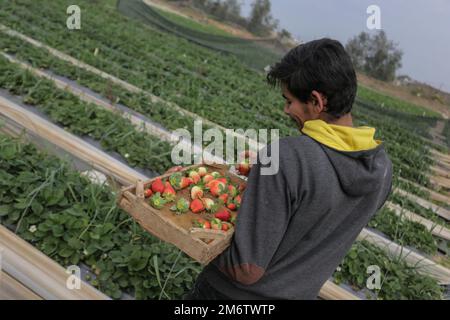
pixel 114 132
pixel 261 21
pixel 375 55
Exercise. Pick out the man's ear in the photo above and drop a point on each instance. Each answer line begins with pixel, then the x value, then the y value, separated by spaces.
pixel 319 102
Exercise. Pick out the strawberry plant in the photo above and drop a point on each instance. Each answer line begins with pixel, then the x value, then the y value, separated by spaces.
pixel 398 280
pixel 74 221
pixel 404 232
pixel 113 132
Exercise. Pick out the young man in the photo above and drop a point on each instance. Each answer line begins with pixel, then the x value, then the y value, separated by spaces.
pixel 295 227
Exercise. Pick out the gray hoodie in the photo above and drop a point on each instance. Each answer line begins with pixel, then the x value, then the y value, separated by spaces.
pixel 294 227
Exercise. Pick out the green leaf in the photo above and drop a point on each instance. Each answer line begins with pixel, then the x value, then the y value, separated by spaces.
pixel 75 243
pixel 21 204
pixel 5 210
pixel 37 207
pixel 66 252
pixel 49 245
pixel 94 236
pixel 9 152
pixel 56 197
pixel 57 230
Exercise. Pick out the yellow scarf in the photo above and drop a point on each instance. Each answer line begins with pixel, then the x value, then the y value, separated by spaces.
pixel 341 138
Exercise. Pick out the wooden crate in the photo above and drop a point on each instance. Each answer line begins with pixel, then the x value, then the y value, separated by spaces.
pixel 203 245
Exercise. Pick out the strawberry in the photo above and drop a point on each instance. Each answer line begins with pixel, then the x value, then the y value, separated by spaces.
pixel 224 180
pixel 232 206
pixel 216 187
pixel 156 201
pixel 210 205
pixel 195 176
pixel 197 206
pixel 215 174
pixel 148 193
pixel 226 226
pixel 169 193
pixel 243 168
pixel 232 190
pixel 202 171
pixel 157 186
pixel 237 199
pixel 178 181
pixel 201 223
pixel 181 206
pixel 223 215
pixel 186 182
pixel 216 224
pixel 196 192
pixel 206 179
pixel 224 197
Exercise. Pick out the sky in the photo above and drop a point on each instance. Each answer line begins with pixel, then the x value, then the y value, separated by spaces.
pixel 420 27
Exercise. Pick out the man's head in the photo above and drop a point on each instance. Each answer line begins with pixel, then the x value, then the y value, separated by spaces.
pixel 317 79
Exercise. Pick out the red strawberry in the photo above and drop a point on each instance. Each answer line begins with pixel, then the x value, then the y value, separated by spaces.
pixel 186 182
pixel 206 225
pixel 207 178
pixel 194 176
pixel 223 215
pixel 201 223
pixel 216 224
pixel 197 206
pixel 243 168
pixel 148 193
pixel 224 197
pixel 196 192
pixel 216 187
pixel 237 199
pixel 232 206
pixel 226 226
pixel 157 186
pixel 224 180
pixel 169 193
pixel 202 171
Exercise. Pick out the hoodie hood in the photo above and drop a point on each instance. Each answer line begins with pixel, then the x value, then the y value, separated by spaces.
pixel 358 159
pixel 341 138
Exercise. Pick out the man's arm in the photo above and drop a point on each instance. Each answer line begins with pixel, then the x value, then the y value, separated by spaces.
pixel 262 220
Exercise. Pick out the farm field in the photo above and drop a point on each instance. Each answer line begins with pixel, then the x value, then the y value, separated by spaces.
pixel 46 201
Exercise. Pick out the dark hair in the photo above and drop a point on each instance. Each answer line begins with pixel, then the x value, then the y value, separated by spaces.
pixel 322 65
